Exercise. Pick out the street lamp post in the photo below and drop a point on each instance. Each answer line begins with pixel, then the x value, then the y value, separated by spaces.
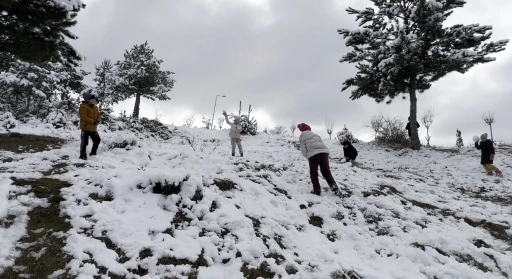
pixel 214 106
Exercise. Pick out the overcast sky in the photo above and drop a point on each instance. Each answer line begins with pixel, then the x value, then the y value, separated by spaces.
pixel 282 57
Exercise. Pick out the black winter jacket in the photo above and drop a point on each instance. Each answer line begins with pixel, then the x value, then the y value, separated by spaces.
pixel 350 152
pixel 487 148
pixel 408 127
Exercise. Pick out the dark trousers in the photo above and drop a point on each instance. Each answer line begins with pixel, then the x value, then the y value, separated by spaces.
pixel 84 141
pixel 321 160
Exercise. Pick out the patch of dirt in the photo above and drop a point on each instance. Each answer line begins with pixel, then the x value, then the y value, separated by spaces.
pixel 27 143
pixel 108 197
pixel 498 231
pixel 42 253
pixel 338 274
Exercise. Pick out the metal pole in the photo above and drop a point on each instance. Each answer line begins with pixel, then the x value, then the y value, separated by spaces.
pixel 214 106
pixel 213 115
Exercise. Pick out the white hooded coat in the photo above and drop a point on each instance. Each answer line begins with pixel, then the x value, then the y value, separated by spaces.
pixel 311 144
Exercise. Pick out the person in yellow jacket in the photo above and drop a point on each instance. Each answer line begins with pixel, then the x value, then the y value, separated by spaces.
pixel 90 117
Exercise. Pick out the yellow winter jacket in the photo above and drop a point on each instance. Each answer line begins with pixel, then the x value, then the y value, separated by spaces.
pixel 89 117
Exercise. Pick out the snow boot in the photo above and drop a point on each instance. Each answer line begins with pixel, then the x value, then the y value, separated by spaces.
pixel 313 192
pixel 335 189
pixel 499 173
pixel 92 154
pixel 233 154
pixel 241 154
pixel 489 173
pixel 83 157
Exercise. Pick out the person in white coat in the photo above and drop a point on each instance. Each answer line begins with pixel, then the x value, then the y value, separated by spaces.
pixel 314 149
pixel 235 133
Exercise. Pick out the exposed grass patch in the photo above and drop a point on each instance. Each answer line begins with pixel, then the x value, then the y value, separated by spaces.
pixel 262 271
pixel 316 221
pixel 59 168
pixel 224 184
pixel 338 274
pixel 108 197
pixel 498 231
pixel 27 143
pixel 45 255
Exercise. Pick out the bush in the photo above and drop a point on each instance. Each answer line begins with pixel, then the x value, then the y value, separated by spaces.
pixel 389 130
pixel 123 141
pixel 7 121
pixel 345 134
pixel 249 126
pixel 142 125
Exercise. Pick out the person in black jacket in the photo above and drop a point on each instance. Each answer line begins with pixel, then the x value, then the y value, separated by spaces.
pixel 408 126
pixel 487 147
pixel 349 151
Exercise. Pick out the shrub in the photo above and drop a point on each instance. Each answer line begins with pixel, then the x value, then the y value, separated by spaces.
pixel 7 121
pixel 392 131
pixel 123 141
pixel 345 134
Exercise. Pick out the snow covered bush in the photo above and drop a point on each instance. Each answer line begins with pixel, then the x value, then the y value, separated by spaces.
pixel 148 127
pixel 123 141
pixel 392 131
pixel 7 121
pixel 249 126
pixel 345 134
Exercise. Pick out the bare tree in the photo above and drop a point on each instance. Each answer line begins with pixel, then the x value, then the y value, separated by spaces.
pixel 190 119
pixel 329 126
pixel 158 116
pixel 220 122
pixel 427 119
pixel 279 131
pixel 488 118
pixel 376 124
pixel 293 127
pixel 207 122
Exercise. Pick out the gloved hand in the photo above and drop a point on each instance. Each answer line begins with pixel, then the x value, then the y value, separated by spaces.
pixel 96 122
pixel 224 113
pixel 492 157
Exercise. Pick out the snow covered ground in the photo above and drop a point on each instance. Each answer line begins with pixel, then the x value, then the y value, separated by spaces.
pixel 426 214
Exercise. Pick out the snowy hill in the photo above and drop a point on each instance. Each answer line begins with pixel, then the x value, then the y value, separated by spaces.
pixel 160 209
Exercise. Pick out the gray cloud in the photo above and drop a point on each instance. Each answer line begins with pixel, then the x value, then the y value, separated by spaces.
pixel 282 57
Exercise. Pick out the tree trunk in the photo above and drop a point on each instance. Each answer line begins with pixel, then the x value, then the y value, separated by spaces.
pixel 492 138
pixel 415 139
pixel 136 108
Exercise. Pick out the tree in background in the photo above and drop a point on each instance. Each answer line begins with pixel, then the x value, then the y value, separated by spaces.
pixel 345 134
pixel 376 125
pixel 207 122
pixel 189 120
pixel 488 118
pixel 220 122
pixel 329 126
pixel 38 31
pixel 404 46
pixel 139 76
pixel 459 143
pixel 105 84
pixel 427 119
pixel 293 128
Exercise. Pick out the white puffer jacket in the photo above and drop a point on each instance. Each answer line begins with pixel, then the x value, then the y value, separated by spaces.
pixel 311 144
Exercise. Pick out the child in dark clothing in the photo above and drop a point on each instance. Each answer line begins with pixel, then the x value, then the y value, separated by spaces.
pixel 487 147
pixel 349 151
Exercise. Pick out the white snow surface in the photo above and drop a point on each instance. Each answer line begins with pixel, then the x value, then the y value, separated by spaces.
pixel 411 214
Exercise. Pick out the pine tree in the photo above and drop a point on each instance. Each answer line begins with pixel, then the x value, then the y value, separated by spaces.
pixel 140 76
pixel 459 143
pixel 345 134
pixel 105 84
pixel 403 47
pixel 249 125
pixel 37 31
